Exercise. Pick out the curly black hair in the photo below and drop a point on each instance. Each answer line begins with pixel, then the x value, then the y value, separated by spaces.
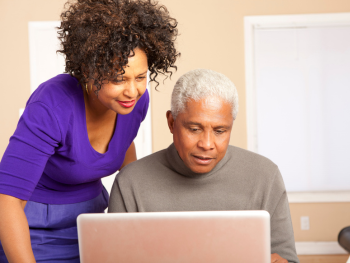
pixel 98 36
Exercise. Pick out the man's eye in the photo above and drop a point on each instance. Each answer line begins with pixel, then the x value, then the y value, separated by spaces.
pixel 194 129
pixel 220 131
pixel 141 78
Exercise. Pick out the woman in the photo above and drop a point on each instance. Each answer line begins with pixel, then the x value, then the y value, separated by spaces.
pixel 79 127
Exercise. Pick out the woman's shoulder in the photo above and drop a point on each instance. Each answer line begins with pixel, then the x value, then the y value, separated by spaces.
pixel 60 89
pixel 53 106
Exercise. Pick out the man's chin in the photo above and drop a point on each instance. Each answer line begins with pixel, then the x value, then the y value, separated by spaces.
pixel 201 169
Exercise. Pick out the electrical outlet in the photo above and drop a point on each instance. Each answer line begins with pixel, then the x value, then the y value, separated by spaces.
pixel 305 223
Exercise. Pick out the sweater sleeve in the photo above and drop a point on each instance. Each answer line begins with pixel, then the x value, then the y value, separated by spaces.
pixel 116 201
pixel 282 236
pixel 34 141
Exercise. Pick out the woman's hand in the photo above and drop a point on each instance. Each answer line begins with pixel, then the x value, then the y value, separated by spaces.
pixel 275 258
pixel 14 230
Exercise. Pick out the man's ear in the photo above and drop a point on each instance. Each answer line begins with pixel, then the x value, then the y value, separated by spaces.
pixel 170 120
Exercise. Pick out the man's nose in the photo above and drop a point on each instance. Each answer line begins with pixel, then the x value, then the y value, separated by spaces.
pixel 131 90
pixel 206 141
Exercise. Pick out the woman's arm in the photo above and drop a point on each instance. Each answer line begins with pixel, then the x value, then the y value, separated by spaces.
pixel 130 155
pixel 14 230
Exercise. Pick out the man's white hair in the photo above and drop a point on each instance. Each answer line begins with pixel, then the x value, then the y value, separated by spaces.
pixel 202 83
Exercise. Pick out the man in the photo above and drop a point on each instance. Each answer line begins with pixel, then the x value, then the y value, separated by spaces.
pixel 200 171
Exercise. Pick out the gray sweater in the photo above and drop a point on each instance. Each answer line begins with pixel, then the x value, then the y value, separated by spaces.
pixel 242 180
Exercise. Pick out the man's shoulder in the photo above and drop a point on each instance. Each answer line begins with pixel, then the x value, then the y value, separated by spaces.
pixel 250 160
pixel 146 166
pixel 238 152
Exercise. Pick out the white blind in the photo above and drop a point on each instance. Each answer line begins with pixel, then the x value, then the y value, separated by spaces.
pixel 303 105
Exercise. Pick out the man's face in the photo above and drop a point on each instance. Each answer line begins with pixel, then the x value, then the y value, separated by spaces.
pixel 201 132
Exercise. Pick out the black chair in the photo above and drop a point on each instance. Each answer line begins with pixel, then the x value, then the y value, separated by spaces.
pixel 344 238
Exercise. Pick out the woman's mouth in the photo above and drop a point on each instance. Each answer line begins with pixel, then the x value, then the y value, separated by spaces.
pixel 127 103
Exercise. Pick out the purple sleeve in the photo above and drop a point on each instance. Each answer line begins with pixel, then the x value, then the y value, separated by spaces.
pixel 145 106
pixel 34 141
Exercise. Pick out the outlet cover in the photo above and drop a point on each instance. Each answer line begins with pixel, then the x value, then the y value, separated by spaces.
pixel 305 223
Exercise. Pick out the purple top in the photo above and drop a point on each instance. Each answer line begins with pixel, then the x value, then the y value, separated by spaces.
pixel 49 158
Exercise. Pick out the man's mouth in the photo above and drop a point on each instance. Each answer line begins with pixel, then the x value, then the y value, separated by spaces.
pixel 202 159
pixel 127 103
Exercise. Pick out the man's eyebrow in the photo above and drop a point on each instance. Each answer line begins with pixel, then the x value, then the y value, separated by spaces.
pixel 222 126
pixel 192 123
pixel 186 123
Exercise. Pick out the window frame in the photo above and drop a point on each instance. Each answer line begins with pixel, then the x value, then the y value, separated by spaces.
pixel 251 23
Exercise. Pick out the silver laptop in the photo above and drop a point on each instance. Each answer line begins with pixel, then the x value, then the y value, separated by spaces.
pixel 169 237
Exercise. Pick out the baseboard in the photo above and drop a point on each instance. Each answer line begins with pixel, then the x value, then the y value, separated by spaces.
pixel 319 197
pixel 319 248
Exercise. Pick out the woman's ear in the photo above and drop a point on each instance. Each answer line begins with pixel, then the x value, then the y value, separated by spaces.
pixel 170 120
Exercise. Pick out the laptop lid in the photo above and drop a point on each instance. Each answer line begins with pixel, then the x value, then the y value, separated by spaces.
pixel 167 237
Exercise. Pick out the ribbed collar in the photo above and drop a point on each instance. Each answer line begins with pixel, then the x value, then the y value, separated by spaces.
pixel 179 166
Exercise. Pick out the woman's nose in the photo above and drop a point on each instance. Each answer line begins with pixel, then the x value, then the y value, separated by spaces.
pixel 131 90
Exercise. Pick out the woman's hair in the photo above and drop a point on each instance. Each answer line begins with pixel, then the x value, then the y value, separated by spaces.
pixel 202 83
pixel 98 36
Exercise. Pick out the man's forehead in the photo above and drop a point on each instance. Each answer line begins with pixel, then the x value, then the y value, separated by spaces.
pixel 209 110
pixel 208 105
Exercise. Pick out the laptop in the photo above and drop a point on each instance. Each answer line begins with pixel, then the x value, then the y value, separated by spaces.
pixel 169 237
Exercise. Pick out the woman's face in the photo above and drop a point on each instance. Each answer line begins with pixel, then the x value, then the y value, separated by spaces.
pixel 122 95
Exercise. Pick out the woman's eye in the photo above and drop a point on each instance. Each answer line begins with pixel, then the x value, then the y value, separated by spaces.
pixel 141 78
pixel 117 81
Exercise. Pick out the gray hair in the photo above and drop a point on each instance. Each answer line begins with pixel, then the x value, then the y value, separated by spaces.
pixel 202 83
